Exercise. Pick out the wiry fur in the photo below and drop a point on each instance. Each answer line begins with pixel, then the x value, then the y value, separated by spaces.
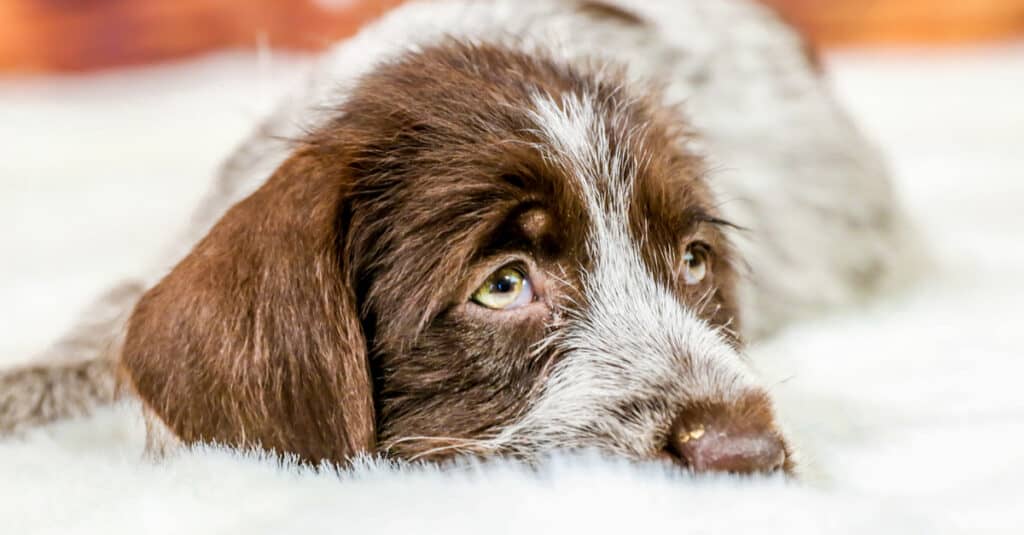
pixel 325 314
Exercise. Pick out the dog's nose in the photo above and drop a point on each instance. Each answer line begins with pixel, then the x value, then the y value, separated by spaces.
pixel 726 441
pixel 711 449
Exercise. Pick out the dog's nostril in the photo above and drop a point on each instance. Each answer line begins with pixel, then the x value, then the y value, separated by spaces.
pixel 707 448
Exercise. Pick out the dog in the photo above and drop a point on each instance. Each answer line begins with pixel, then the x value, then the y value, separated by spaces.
pixel 503 228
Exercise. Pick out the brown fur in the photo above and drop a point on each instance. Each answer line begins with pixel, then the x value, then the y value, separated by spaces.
pixel 254 339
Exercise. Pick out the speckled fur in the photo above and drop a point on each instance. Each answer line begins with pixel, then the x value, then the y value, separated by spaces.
pixel 776 141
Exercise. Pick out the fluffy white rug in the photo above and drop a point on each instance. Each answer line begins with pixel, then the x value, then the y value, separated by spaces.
pixel 911 407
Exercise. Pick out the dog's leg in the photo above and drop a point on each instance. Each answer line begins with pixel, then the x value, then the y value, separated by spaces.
pixel 74 376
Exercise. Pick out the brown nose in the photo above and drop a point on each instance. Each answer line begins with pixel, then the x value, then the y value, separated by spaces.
pixel 714 439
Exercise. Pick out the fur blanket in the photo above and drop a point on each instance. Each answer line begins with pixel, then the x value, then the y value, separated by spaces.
pixel 909 408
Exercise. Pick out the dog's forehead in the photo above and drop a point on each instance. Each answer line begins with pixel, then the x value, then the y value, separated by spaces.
pixel 461 118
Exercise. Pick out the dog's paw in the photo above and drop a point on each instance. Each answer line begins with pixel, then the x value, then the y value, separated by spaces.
pixel 38 394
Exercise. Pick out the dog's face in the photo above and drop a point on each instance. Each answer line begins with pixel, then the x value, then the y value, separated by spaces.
pixel 482 252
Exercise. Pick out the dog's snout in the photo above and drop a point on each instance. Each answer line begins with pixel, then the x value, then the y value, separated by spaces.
pixel 738 439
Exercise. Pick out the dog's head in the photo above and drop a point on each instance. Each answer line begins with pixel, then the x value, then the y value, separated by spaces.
pixel 481 252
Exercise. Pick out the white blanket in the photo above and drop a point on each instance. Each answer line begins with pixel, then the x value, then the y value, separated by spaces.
pixel 910 408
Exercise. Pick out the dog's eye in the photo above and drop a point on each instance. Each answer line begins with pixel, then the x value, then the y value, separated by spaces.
pixel 695 263
pixel 505 289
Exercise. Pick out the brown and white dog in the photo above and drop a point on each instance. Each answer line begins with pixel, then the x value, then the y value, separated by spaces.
pixel 503 228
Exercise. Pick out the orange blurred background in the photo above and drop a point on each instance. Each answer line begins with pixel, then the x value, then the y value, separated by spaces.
pixel 82 35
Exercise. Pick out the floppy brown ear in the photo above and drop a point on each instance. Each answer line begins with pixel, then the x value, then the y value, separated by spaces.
pixel 254 338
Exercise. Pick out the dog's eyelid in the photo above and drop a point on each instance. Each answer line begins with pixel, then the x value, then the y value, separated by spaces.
pixel 517 260
pixel 703 217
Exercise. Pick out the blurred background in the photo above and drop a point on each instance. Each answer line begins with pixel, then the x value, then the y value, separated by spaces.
pixel 81 35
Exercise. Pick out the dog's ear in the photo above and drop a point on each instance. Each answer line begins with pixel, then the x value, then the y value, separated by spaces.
pixel 254 339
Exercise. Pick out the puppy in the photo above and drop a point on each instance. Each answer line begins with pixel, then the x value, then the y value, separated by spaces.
pixel 504 228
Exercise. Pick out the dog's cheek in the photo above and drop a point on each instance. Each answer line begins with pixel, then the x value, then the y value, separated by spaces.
pixel 462 382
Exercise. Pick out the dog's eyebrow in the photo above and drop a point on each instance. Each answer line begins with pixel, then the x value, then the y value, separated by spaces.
pixel 534 222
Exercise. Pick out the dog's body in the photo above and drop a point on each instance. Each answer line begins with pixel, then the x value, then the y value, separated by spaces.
pixel 292 324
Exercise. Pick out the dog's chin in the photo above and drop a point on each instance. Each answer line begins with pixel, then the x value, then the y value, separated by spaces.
pixel 553 460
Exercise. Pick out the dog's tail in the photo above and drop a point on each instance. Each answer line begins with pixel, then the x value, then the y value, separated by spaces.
pixel 77 375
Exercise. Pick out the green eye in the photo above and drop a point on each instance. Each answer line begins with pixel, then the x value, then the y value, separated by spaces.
pixel 505 289
pixel 695 263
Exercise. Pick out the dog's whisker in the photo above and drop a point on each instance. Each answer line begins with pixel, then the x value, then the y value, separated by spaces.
pixel 475 446
pixel 451 443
